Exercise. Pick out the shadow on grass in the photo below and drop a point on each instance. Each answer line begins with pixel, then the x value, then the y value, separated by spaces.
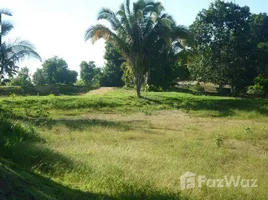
pixel 82 124
pixel 20 144
pixel 225 107
pixel 16 183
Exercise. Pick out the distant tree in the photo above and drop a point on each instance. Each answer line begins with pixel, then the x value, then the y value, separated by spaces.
pixel 259 39
pixel 90 74
pixel 71 77
pixel 23 78
pixel 12 52
pixel 134 31
pixel 222 45
pixel 39 77
pixel 112 71
pixel 55 71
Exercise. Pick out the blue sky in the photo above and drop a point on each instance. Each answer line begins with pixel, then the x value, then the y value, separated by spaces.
pixel 56 27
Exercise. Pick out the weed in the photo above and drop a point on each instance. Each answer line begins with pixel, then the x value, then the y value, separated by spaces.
pixel 219 140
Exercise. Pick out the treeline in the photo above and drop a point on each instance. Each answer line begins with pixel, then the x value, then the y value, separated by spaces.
pixel 230 47
pixel 226 45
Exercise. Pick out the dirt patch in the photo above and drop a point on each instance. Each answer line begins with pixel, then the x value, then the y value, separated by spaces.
pixel 101 91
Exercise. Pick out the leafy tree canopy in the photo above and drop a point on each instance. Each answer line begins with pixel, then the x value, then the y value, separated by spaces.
pixel 54 71
pixel 222 45
pixel 112 72
pixel 23 78
pixel 90 74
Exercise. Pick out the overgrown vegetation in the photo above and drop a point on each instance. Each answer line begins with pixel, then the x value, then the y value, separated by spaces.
pixel 138 32
pixel 115 146
pixel 109 144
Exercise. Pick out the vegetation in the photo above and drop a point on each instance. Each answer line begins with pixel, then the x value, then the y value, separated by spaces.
pixel 136 33
pixel 107 143
pixel 115 146
pixel 260 88
pixel 112 71
pixel 22 79
pixel 90 74
pixel 11 52
pixel 55 71
pixel 229 45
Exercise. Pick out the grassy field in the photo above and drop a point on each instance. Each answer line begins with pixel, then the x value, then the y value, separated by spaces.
pixel 110 145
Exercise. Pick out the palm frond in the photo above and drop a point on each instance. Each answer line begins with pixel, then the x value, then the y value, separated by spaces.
pixel 166 22
pixel 6 27
pixel 152 6
pixel 20 49
pixel 181 32
pixel 97 32
pixel 5 12
pixel 105 13
pixel 139 5
pixel 127 7
pixel 124 19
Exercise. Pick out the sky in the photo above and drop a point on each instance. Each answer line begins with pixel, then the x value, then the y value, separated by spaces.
pixel 57 27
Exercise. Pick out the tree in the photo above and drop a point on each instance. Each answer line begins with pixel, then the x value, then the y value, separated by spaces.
pixel 134 31
pixel 39 77
pixel 222 45
pixel 112 72
pixel 170 64
pixel 55 71
pixel 23 78
pixel 90 74
pixel 12 52
pixel 259 39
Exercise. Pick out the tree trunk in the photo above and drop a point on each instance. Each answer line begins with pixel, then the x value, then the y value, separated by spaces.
pixel 221 89
pixel 138 71
pixel 1 30
pixel 138 84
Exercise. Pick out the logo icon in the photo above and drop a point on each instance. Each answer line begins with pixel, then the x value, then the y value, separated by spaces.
pixel 190 180
pixel 187 180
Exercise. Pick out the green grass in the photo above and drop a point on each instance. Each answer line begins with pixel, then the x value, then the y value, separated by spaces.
pixel 114 146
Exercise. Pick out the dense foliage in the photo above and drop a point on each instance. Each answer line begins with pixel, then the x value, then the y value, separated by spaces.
pixel 54 71
pixel 22 79
pixel 112 71
pixel 136 31
pixel 260 87
pixel 90 74
pixel 229 45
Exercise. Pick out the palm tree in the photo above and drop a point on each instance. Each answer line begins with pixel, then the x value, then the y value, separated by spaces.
pixel 12 52
pixel 5 26
pixel 134 32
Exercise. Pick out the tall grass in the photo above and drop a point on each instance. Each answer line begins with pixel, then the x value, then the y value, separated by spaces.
pixel 115 146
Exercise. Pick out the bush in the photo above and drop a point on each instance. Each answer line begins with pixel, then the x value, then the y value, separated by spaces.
pixel 260 88
pixel 256 90
pixel 6 90
pixel 43 90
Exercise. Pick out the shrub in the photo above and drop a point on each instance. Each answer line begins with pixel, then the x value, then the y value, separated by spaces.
pixel 256 90
pixel 219 140
pixel 6 90
pixel 198 89
pixel 260 87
